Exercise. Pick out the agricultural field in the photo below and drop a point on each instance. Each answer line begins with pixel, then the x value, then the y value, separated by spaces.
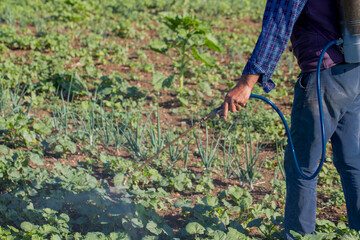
pixel 90 89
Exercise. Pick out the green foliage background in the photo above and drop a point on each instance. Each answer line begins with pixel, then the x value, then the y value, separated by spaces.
pixel 84 100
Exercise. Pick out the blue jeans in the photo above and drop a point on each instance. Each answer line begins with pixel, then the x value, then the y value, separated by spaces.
pixel 340 88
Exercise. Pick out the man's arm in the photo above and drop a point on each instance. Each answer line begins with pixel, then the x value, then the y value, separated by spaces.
pixel 278 21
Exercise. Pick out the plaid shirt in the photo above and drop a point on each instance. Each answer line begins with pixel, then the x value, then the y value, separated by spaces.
pixel 278 21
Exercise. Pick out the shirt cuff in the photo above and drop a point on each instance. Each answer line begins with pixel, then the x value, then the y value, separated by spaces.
pixel 264 80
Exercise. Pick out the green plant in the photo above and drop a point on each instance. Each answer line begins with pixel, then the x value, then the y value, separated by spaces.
pixel 279 159
pixel 16 131
pixel 13 101
pixel 228 157
pixel 90 122
pixel 136 139
pixel 73 74
pixel 205 183
pixel 176 151
pixel 61 144
pixel 156 139
pixel 112 128
pixel 190 36
pixel 208 150
pixel 247 167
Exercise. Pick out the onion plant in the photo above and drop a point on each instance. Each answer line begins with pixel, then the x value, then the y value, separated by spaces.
pixel 62 113
pixel 228 157
pixel 208 150
pixel 247 167
pixel 176 150
pixel 12 101
pixel 112 129
pixel 136 139
pixel 90 121
pixel 280 159
pixel 156 138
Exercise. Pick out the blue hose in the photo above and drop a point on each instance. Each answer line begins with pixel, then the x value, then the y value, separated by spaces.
pixel 335 42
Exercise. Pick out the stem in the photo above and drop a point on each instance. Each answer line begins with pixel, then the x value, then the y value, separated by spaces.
pixel 182 67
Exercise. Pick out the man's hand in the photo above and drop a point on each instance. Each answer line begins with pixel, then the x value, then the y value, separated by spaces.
pixel 237 97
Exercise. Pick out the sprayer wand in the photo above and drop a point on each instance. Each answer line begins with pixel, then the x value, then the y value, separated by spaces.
pixel 212 114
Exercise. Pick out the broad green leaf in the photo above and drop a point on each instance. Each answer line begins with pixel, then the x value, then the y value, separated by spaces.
pixel 350 236
pixel 229 206
pixel 184 101
pixel 295 234
pixel 134 92
pixel 211 43
pixel 172 22
pixel 179 186
pixel 47 228
pixel 35 158
pixel 234 234
pixel 118 236
pixel 4 149
pixel 219 235
pixel 159 46
pixel 235 193
pixel 95 236
pixel 147 237
pixel 195 228
pixel 225 219
pixel 70 145
pixel 204 57
pixel 55 237
pixel 241 196
pixel 205 87
pixel 341 225
pixel 325 222
pixel 137 223
pixel 64 217
pixel 3 124
pixel 255 223
pixel 211 201
pixel 153 228
pixel 13 174
pixel 183 203
pixel 237 226
pixel 27 226
pixel 154 175
pixel 59 149
pixel 168 230
pixel 28 135
pixel 161 81
pixel 119 179
pixel 42 128
pixel 200 188
pixel 315 237
pixel 32 192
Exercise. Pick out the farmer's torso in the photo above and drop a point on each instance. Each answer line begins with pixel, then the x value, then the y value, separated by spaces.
pixel 317 25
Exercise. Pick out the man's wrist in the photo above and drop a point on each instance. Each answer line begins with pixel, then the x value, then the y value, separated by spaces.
pixel 249 80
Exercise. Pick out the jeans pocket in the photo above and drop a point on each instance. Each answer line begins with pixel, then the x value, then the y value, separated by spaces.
pixel 303 80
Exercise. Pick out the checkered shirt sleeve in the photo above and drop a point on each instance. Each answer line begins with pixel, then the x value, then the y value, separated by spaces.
pixel 278 21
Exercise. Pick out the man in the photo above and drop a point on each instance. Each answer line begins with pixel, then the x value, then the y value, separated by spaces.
pixel 310 25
